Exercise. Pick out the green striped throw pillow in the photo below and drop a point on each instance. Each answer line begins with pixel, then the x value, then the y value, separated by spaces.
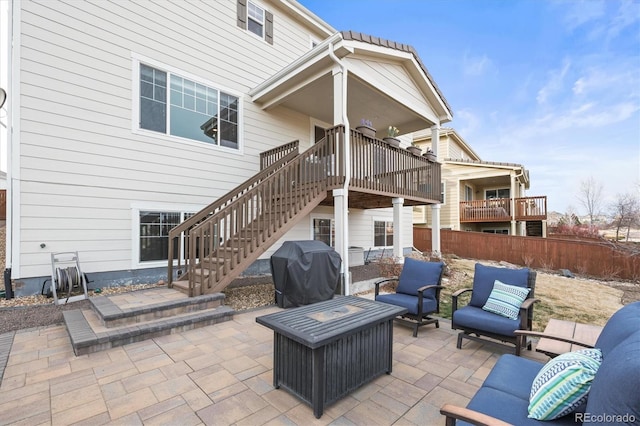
pixel 506 299
pixel 563 384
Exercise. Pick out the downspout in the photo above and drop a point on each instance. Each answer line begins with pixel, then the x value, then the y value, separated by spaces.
pixel 347 171
pixel 512 202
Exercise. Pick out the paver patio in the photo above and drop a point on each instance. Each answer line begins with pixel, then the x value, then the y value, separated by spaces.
pixel 222 375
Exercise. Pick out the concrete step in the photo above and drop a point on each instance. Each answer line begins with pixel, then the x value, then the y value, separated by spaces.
pixel 112 315
pixel 119 320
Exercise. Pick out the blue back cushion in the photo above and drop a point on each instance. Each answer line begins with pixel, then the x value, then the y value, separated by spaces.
pixel 621 325
pixel 418 273
pixel 614 391
pixel 485 276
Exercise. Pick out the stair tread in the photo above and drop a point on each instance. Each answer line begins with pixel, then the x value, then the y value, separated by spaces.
pixel 88 335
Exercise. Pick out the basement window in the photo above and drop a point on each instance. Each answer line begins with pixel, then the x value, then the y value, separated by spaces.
pixel 153 228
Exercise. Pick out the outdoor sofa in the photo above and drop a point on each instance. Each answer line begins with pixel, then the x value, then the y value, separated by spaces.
pixel 613 397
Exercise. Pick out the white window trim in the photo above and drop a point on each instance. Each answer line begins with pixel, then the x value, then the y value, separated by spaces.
pixel 373 230
pixel 313 122
pixel 443 192
pixel 136 60
pixel 319 216
pixel 135 229
pixel 465 191
pixel 264 21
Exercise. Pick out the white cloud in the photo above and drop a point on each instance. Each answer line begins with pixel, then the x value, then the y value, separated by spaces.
pixel 554 84
pixel 477 65
pixel 467 122
pixel 580 13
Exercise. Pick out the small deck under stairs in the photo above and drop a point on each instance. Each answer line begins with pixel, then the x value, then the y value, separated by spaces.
pixel 120 319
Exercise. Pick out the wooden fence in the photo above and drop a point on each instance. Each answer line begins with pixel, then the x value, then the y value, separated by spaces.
pixel 597 259
pixel 3 204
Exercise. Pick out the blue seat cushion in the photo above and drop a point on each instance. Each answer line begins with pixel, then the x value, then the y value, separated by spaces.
pixel 418 273
pixel 513 374
pixel 410 302
pixel 508 407
pixel 485 276
pixel 614 390
pixel 479 319
pixel 622 324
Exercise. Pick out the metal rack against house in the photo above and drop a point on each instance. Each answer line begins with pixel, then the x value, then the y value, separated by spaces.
pixel 69 284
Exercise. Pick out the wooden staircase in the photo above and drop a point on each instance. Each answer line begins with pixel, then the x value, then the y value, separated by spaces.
pixel 223 239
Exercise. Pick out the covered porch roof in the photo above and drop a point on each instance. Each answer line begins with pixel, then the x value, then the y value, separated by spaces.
pixel 488 173
pixel 387 84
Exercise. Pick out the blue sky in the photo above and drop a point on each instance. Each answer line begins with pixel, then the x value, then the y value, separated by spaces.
pixel 553 85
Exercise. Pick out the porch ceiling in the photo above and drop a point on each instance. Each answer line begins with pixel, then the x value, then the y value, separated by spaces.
pixel 306 86
pixel 316 100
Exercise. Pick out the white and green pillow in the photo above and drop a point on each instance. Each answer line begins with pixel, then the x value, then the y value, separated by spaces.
pixel 563 384
pixel 506 299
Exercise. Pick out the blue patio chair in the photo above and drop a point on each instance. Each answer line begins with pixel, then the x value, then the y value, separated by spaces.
pixel 418 290
pixel 510 307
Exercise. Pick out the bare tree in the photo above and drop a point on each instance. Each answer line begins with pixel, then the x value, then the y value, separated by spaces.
pixel 590 197
pixel 625 211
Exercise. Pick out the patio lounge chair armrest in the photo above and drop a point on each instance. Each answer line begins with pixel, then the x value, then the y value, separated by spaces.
pixel 377 284
pixel 454 298
pixel 541 334
pixel 528 303
pixel 459 292
pixel 423 288
pixel 453 413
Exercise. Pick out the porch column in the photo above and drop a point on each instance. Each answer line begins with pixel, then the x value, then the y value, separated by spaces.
pixel 398 226
pixel 341 196
pixel 512 204
pixel 435 208
pixel 341 236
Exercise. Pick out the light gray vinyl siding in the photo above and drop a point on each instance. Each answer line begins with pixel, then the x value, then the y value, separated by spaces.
pixel 83 169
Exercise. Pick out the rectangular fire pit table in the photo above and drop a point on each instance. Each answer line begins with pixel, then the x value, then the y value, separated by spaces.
pixel 323 351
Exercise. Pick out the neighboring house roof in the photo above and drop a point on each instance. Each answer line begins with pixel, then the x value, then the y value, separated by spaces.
pixel 425 135
pixel 524 178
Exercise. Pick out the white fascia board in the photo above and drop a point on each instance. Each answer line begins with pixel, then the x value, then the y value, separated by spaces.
pixel 308 16
pixel 290 71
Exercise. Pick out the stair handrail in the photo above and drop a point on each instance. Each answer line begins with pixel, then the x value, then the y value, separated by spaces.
pixel 175 232
pixel 204 242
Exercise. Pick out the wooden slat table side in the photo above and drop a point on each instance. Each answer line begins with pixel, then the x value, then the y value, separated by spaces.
pixel 586 333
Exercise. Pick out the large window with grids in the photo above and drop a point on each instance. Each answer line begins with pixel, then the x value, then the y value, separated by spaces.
pixel 179 106
pixel 382 233
pixel 154 227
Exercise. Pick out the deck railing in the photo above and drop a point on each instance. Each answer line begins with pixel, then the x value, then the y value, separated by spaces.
pixel 377 167
pixel 229 239
pixel 278 153
pixel 180 232
pixel 499 209
pixel 226 236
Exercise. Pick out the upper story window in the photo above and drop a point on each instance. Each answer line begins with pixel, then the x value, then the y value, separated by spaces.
pixel 256 19
pixel 179 106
